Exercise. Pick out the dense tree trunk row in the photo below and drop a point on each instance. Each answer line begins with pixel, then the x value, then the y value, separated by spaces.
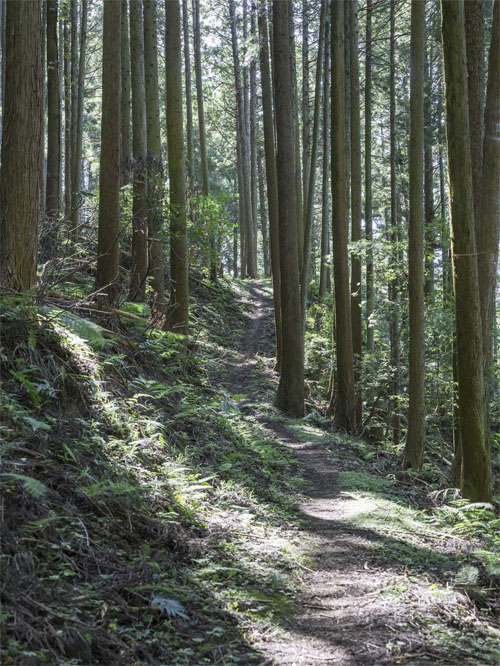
pixel 242 189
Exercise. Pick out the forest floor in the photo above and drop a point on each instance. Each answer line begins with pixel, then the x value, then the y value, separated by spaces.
pixel 157 509
pixel 379 585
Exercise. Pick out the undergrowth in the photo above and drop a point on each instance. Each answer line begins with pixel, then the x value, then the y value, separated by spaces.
pixel 148 517
pixel 142 520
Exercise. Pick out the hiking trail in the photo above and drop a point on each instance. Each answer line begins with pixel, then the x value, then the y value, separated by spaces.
pixel 361 600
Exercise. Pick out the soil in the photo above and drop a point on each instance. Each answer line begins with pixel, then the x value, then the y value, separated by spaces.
pixel 351 609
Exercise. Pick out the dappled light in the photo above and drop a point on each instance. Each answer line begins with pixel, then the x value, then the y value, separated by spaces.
pixel 249 332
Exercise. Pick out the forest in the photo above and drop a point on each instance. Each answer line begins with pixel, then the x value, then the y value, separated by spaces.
pixel 250 332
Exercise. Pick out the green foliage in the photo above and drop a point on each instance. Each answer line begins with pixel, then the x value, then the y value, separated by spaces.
pixel 211 218
pixel 364 482
pixel 138 492
pixel 32 486
pixel 139 309
pixel 85 329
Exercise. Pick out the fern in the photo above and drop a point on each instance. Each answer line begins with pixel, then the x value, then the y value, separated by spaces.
pixel 36 424
pixel 467 576
pixel 85 328
pixel 32 486
pixel 140 309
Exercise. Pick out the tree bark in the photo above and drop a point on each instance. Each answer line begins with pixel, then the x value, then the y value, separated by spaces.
pixel 3 17
pixel 355 205
pixel 474 46
pixel 311 182
pixel 306 112
pixel 415 439
pixel 263 217
pixel 126 144
pixel 52 203
pixel 347 79
pixel 475 445
pixel 189 101
pixel 74 98
pixel 487 246
pixel 109 185
pixel 271 177
pixel 179 298
pixel 370 286
pixel 61 26
pixel 428 180
pixel 299 193
pixel 345 407
pixel 205 186
pixel 76 163
pixel 246 222
pixel 253 142
pixel 139 267
pixel 67 122
pixel 241 201
pixel 154 160
pixel 250 246
pixel 290 395
pixel 325 221
pixel 22 148
pixel 394 321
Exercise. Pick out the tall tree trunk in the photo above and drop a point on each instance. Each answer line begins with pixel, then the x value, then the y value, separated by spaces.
pixel 241 201
pixel 428 180
pixel 235 239
pixel 345 407
pixel 139 267
pixel 205 189
pixel 61 24
pixel 355 205
pixel 179 298
pixel 189 101
pixel 74 98
pixel 271 177
pixel 475 445
pixel 67 122
pixel 394 322
pixel 109 179
pixel 347 79
pixel 3 18
pixel 52 204
pixel 306 112
pixel 43 177
pixel 249 229
pixel 22 148
pixel 370 286
pixel 306 259
pixel 154 161
pixel 474 47
pixel 290 395
pixel 325 220
pixel 246 222
pixel 253 141
pixel 393 414
pixel 126 143
pixel 77 161
pixel 299 209
pixel 263 217
pixel 445 236
pixel 487 245
pixel 456 469
pixel 415 439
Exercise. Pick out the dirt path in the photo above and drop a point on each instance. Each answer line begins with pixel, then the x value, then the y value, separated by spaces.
pixel 362 601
